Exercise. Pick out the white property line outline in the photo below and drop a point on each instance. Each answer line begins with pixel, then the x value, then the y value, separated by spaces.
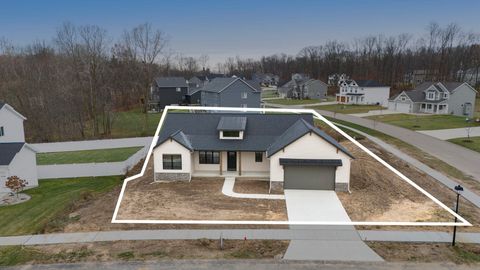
pixel 463 222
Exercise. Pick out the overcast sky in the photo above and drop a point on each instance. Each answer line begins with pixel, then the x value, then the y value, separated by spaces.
pixel 244 28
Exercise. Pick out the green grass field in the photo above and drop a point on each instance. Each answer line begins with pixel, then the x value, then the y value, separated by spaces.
pixel 87 156
pixel 50 203
pixel 424 122
pixel 473 143
pixel 269 93
pixel 131 124
pixel 347 109
pixel 284 101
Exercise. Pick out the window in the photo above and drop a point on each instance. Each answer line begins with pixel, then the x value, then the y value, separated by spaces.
pixel 209 157
pixel 179 89
pixel 172 162
pixel 2 132
pixel 244 95
pixel 231 134
pixel 403 99
pixel 258 157
pixel 431 95
pixel 445 95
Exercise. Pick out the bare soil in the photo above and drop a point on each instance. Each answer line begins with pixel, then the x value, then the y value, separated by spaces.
pixel 252 186
pixel 401 252
pixel 199 199
pixel 146 250
pixel 377 194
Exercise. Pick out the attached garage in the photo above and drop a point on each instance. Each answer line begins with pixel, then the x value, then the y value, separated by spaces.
pixel 313 174
pixel 399 106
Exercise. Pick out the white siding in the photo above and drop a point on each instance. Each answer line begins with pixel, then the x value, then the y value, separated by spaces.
pixel 374 95
pixel 310 146
pixel 12 125
pixel 249 164
pixel 24 165
pixel 171 147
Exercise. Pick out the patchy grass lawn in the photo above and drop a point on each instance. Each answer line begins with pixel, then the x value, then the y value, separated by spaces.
pixel 347 109
pixel 50 203
pixel 424 122
pixel 131 124
pixel 472 143
pixel 269 93
pixel 87 156
pixel 286 101
pixel 141 251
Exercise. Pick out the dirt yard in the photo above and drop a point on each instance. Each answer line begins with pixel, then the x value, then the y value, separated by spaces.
pixel 377 194
pixel 401 252
pixel 143 250
pixel 252 186
pixel 199 199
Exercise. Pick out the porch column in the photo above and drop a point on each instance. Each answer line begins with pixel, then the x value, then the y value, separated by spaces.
pixel 220 153
pixel 239 163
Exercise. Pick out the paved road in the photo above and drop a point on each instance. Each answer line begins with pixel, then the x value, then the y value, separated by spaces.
pixel 446 134
pixel 92 144
pixel 318 233
pixel 249 264
pixel 459 157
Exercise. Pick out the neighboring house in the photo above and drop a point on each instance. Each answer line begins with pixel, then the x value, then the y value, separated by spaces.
pixel 167 91
pixel 455 98
pixel 230 92
pixel 285 148
pixel 195 82
pixel 302 87
pixel 334 79
pixel 16 156
pixel 266 79
pixel 363 92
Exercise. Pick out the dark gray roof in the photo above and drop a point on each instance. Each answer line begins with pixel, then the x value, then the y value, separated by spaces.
pixel 297 130
pixel 171 82
pixel 255 84
pixel 218 84
pixel 310 162
pixel 369 83
pixel 415 95
pixel 450 86
pixel 263 132
pixel 9 150
pixel 232 123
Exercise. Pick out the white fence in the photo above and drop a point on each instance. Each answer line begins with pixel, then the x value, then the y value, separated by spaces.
pixel 92 144
pixel 90 169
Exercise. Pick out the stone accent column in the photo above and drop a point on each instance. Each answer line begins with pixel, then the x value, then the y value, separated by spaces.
pixel 341 187
pixel 276 186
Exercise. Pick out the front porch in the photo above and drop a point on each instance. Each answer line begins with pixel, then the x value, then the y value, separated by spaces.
pixel 432 108
pixel 236 174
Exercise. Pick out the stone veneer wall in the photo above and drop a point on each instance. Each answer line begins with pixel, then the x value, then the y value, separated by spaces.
pixel 341 187
pixel 172 177
pixel 276 186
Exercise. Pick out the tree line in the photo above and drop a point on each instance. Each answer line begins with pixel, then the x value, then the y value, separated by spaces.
pixel 73 86
pixel 441 52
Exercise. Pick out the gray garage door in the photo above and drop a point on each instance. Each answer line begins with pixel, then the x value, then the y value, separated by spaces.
pixel 309 177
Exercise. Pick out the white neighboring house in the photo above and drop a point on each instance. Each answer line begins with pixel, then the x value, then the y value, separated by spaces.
pixel 286 149
pixel 16 157
pixel 455 98
pixel 363 92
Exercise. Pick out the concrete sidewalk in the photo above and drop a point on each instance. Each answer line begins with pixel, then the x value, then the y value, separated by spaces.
pixel 323 233
pixel 229 183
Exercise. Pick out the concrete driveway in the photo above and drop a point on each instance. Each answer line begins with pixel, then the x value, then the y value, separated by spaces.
pixel 447 134
pixel 314 205
pixel 337 243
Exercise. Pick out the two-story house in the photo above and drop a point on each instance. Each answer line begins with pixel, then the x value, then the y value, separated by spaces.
pixel 302 87
pixel 167 91
pixel 455 98
pixel 16 157
pixel 363 92
pixel 230 92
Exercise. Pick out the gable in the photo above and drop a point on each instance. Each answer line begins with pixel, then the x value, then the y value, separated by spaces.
pixel 11 110
pixel 239 85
